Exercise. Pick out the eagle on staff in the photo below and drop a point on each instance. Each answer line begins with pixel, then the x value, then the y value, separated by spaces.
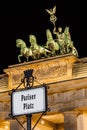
pixel 52 12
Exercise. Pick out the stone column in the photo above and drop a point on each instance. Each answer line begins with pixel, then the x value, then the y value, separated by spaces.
pixel 14 125
pixel 70 120
pixel 82 121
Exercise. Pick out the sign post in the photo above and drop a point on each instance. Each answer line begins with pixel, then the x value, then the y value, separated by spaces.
pixel 29 122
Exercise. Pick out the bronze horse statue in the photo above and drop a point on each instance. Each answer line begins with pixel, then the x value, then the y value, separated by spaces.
pixel 34 51
pixel 24 50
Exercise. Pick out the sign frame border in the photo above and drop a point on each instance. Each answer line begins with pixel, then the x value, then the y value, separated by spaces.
pixel 24 89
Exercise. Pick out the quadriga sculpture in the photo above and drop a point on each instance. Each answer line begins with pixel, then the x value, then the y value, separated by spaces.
pixel 59 46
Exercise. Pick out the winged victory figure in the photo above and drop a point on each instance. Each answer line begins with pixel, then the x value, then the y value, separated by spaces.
pixel 51 11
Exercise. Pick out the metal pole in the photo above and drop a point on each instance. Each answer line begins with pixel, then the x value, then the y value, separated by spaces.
pixel 29 79
pixel 29 122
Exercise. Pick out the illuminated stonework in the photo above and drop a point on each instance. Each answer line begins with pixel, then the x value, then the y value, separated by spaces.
pixel 47 70
pixel 66 77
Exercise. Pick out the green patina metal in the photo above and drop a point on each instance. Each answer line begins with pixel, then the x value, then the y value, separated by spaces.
pixel 60 45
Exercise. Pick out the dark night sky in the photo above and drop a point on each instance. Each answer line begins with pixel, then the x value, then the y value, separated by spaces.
pixel 18 20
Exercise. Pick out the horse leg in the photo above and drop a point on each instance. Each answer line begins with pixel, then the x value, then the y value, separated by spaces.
pixel 74 52
pixel 19 57
pixel 27 58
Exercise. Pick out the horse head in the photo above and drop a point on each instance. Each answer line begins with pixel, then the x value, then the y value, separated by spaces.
pixel 49 35
pixel 32 39
pixel 20 43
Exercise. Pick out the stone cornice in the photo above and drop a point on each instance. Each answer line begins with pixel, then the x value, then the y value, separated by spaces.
pixel 46 70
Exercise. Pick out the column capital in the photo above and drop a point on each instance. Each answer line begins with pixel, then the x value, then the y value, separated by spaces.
pixel 71 112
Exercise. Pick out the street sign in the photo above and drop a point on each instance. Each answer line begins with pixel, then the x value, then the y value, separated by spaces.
pixel 29 101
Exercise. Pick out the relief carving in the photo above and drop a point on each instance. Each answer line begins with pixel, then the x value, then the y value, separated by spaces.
pixel 50 71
